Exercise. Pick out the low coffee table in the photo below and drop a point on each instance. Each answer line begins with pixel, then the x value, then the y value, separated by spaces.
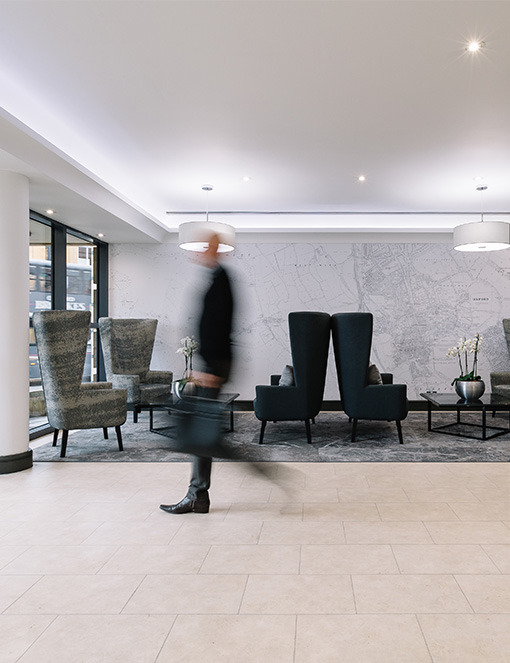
pixel 487 403
pixel 168 401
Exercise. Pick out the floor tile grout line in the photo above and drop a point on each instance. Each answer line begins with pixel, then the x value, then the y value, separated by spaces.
pixel 55 617
pixel 24 591
pixel 487 554
pixel 98 572
pixel 395 558
pixel 454 575
pixel 204 560
pixel 243 594
pixel 142 580
pixel 420 627
pixel 165 640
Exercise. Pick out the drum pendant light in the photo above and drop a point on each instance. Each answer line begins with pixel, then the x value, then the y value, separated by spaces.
pixel 195 235
pixel 482 235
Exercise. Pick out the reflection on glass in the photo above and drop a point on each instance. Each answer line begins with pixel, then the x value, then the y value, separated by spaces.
pixel 81 292
pixel 40 299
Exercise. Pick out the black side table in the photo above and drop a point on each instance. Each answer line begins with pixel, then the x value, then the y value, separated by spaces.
pixel 487 403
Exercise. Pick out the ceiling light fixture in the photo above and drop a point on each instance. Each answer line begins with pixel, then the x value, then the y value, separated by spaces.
pixel 50 211
pixel 361 178
pixel 195 235
pixel 246 178
pixel 482 236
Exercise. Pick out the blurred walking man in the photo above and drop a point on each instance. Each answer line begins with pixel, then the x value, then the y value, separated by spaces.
pixel 215 353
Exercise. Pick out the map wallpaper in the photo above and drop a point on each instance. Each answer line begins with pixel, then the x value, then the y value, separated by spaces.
pixel 424 297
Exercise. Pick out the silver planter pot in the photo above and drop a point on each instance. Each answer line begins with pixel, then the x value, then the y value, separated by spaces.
pixel 470 390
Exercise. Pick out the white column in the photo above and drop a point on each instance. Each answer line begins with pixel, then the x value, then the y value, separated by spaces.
pixel 15 453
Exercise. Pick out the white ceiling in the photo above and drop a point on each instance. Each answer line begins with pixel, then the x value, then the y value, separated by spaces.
pixel 140 103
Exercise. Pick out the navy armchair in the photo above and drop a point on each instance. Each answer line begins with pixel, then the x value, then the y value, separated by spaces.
pixel 309 341
pixel 352 341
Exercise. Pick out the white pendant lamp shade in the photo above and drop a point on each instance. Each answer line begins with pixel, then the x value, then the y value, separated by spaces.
pixel 482 236
pixel 195 235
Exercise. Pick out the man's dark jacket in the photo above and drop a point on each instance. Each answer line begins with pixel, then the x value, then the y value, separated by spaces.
pixel 215 324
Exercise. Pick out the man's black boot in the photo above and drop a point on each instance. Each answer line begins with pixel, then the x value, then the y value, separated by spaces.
pixel 188 505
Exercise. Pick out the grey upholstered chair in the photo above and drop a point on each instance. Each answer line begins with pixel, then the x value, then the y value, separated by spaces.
pixel 500 380
pixel 127 348
pixel 309 334
pixel 70 404
pixel 352 342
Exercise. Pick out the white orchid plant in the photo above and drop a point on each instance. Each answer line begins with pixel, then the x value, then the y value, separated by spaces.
pixel 464 347
pixel 188 348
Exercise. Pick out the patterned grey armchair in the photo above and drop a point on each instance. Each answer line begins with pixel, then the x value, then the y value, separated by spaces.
pixel 62 338
pixel 500 380
pixel 127 348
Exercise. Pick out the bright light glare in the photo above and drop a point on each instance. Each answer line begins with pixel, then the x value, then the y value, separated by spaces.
pixel 491 246
pixel 200 247
pixel 474 46
pixel 361 178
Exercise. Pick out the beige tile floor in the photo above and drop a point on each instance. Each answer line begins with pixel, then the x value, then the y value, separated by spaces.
pixel 351 562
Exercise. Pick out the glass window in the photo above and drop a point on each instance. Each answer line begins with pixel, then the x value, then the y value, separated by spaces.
pixel 64 273
pixel 33 278
pixel 44 278
pixel 40 298
pixel 81 291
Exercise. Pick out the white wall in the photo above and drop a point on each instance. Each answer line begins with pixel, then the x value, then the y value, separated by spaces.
pixel 424 297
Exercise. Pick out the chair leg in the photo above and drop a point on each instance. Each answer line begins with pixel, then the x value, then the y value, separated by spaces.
pixel 308 431
pixel 135 414
pixel 399 428
pixel 119 438
pixel 64 443
pixel 55 437
pixel 353 430
pixel 262 429
pixel 105 433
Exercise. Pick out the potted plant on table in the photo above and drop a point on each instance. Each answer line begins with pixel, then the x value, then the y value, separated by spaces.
pixel 188 348
pixel 469 385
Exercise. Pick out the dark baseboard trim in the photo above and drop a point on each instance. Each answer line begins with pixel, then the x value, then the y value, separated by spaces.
pixel 16 462
pixel 330 406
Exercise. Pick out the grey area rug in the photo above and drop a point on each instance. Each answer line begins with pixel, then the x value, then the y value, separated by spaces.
pixel 286 442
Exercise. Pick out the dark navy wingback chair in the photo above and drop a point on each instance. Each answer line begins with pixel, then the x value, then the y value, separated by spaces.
pixel 352 342
pixel 309 333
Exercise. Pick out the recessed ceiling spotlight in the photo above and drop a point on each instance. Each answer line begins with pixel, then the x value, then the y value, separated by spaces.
pixel 475 45
pixel 246 178
pixel 100 234
pixel 477 178
pixel 50 211
pixel 361 178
